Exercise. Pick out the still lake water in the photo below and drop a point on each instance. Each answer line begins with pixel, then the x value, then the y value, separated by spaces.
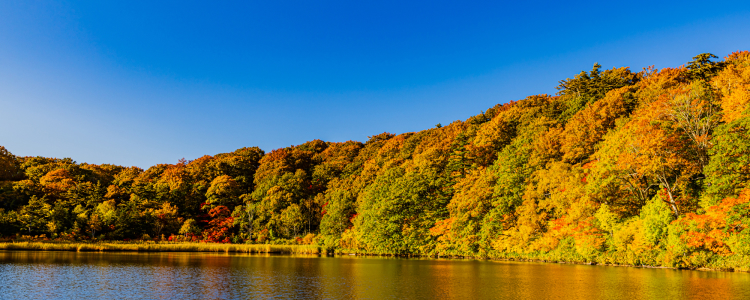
pixel 65 275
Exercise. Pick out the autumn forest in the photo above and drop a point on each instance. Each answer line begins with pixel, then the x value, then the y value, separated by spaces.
pixel 626 167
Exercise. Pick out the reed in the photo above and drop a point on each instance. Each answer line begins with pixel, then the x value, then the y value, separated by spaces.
pixel 162 247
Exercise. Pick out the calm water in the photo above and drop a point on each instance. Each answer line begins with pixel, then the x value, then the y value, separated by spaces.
pixel 217 276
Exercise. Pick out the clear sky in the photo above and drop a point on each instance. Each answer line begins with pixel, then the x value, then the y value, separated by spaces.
pixel 141 83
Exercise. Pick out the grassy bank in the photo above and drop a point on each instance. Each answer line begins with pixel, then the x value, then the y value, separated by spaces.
pixel 730 263
pixel 722 263
pixel 162 247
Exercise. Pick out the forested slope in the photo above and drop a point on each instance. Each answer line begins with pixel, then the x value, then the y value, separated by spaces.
pixel 619 167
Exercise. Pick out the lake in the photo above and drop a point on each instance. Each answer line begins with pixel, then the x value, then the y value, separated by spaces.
pixel 38 275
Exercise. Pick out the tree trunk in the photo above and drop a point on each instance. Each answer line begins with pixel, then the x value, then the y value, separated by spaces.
pixel 672 203
pixel 669 190
pixel 250 215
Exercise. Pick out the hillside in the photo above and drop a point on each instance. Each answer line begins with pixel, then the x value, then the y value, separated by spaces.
pixel 618 167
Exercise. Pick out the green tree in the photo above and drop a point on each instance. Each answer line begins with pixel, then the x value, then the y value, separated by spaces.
pixel 586 88
pixel 702 68
pixel 292 220
pixel 189 227
pixel 394 214
pixel 728 169
pixel 35 215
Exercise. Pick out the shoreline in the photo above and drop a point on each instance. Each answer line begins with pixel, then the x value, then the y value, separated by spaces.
pixel 161 247
pixel 548 261
pixel 147 247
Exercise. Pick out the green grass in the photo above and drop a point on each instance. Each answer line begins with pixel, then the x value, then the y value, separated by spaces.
pixel 162 247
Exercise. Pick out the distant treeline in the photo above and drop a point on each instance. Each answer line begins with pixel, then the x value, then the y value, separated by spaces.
pixel 619 167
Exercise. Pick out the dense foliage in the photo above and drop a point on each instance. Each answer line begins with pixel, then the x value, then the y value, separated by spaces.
pixel 622 167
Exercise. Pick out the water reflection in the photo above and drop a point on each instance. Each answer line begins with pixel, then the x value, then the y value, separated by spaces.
pixel 237 276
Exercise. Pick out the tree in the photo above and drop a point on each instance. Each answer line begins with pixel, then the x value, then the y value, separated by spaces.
pixel 165 219
pixel 35 215
pixel 244 216
pixel 94 224
pixel 588 127
pixel 8 165
pixel 733 86
pixel 218 229
pixel 132 222
pixel 189 227
pixel 695 111
pixel 728 169
pixel 9 223
pixel 588 87
pixel 61 219
pixel 338 210
pixel 292 218
pixel 394 216
pixel 702 68
pixel 223 191
pixel 460 233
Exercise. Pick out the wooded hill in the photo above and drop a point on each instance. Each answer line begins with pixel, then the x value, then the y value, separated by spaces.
pixel 621 167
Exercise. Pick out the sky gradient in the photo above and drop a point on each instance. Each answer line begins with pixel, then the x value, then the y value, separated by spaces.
pixel 137 83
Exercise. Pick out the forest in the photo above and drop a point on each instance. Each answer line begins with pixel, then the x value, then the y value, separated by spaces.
pixel 618 167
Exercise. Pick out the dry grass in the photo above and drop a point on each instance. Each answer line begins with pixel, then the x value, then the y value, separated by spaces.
pixel 162 247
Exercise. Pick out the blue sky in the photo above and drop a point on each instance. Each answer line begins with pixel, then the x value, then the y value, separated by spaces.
pixel 138 83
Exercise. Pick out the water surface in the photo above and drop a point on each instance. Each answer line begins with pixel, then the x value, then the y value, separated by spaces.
pixel 50 275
